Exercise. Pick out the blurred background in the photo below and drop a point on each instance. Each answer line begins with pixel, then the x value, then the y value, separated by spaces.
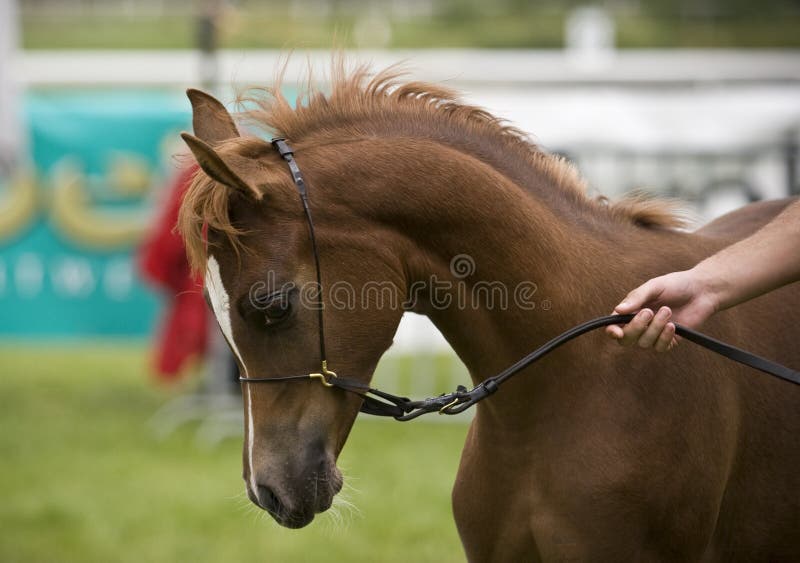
pixel 120 428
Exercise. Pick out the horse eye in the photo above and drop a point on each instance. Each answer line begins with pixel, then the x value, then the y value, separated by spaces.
pixel 272 308
pixel 277 310
pixel 266 308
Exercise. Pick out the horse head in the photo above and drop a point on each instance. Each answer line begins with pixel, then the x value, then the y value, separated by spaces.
pixel 245 227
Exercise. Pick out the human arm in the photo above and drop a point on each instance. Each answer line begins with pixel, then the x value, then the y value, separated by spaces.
pixel 767 260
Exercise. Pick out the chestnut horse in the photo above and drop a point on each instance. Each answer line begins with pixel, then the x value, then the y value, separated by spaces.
pixel 597 453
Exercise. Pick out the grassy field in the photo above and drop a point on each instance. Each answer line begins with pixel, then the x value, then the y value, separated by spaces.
pixel 84 478
pixel 538 29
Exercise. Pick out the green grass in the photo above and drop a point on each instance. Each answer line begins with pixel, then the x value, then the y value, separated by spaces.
pixel 534 29
pixel 84 478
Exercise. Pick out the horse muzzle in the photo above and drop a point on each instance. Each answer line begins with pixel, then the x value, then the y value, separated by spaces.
pixel 293 502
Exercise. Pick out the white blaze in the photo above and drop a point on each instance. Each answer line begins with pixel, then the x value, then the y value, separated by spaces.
pixel 221 304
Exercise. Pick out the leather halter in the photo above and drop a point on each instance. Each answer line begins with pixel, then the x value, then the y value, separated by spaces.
pixel 380 403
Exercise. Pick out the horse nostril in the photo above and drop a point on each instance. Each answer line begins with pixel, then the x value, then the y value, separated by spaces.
pixel 267 499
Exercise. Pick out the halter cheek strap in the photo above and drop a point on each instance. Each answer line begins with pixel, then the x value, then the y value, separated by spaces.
pixel 288 155
pixel 380 403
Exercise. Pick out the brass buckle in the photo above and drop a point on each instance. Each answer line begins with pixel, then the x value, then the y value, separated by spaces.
pixel 323 377
pixel 443 410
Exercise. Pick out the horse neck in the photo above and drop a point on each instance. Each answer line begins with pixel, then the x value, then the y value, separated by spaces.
pixel 446 205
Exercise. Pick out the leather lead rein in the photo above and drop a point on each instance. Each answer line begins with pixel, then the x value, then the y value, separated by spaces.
pixel 381 403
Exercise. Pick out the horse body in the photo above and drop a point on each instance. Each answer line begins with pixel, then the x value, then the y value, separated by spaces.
pixel 674 466
pixel 596 453
pixel 614 456
pixel 605 454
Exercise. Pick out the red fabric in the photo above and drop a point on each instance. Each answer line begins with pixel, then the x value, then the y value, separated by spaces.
pixel 162 261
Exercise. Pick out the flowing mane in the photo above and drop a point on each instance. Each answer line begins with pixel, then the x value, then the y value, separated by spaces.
pixel 383 104
pixel 360 104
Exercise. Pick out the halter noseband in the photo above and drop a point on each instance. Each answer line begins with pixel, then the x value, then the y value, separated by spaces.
pixel 402 408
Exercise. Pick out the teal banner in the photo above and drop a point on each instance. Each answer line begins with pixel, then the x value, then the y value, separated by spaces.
pixel 71 222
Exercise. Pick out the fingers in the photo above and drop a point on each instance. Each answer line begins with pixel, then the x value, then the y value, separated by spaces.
pixel 638 327
pixel 634 329
pixel 647 330
pixel 655 329
pixel 615 331
pixel 667 339
pixel 639 297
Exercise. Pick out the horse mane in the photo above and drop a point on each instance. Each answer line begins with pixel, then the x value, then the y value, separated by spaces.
pixel 362 104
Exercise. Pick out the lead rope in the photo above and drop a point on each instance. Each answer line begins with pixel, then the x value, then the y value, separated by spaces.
pixel 381 403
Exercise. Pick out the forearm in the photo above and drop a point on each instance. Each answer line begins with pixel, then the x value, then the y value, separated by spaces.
pixel 766 260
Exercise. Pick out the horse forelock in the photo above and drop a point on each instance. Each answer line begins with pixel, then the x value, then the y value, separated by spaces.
pixel 205 206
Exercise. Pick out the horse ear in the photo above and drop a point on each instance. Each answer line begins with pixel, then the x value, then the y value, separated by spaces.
pixel 213 165
pixel 211 121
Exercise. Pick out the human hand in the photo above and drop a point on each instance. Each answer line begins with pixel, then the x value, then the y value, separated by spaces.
pixel 682 297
